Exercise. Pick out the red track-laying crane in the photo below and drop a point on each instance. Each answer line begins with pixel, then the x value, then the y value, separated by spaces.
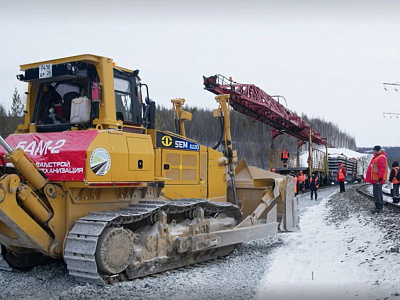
pixel 252 101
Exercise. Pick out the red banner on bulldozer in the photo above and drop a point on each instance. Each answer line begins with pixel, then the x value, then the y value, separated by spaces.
pixel 60 155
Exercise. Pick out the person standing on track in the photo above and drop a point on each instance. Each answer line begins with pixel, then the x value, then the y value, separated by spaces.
pixel 341 177
pixel 314 185
pixel 301 179
pixel 377 175
pixel 394 179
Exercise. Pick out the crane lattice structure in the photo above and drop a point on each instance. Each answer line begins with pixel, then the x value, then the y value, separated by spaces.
pixel 252 101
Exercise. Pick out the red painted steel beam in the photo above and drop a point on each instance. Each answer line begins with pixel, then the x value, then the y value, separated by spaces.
pixel 252 101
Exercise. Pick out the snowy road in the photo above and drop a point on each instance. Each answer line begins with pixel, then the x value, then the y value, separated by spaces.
pixel 341 252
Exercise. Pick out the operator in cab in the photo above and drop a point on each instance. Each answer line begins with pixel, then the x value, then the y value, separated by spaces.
pixel 51 110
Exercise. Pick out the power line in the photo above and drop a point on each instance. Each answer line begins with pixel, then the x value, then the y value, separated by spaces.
pixel 391 114
pixel 391 84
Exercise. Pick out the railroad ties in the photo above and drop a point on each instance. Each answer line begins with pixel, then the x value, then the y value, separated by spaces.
pixel 363 191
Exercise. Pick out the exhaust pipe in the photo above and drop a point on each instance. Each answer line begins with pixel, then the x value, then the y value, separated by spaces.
pixel 5 145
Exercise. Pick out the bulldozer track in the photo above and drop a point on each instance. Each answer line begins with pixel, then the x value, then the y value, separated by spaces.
pixel 361 190
pixel 3 264
pixel 81 242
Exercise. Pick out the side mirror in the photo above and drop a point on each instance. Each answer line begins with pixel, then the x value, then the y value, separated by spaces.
pixel 151 118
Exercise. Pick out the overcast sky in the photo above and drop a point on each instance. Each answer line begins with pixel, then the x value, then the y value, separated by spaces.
pixel 327 58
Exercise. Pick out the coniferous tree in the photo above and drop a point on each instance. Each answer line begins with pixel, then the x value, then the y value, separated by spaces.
pixel 17 107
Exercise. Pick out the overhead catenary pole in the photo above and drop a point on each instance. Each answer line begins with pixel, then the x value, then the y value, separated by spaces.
pixel 326 160
pixel 310 152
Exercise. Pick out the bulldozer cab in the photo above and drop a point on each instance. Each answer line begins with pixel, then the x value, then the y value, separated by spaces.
pixel 84 92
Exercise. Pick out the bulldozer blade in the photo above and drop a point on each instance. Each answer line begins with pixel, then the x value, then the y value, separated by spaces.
pixel 239 235
pixel 254 186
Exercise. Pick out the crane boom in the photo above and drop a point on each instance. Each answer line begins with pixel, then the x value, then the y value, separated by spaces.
pixel 252 101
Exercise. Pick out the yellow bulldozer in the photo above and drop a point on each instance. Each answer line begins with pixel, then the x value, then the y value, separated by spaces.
pixel 87 178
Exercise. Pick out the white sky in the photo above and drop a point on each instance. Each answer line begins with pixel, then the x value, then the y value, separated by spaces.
pixel 328 58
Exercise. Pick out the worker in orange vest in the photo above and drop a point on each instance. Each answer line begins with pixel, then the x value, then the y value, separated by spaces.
pixel 301 180
pixel 377 175
pixel 341 177
pixel 285 157
pixel 314 185
pixel 394 179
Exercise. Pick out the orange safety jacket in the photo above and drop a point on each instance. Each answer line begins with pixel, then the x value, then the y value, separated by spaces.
pixel 285 155
pixel 341 174
pixel 316 182
pixel 295 184
pixel 375 168
pixel 301 178
pixel 395 180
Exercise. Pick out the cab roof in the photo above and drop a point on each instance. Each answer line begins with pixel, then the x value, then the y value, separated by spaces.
pixel 88 58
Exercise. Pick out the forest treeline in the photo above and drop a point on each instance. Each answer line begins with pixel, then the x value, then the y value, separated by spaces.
pixel 393 153
pixel 251 139
pixel 337 138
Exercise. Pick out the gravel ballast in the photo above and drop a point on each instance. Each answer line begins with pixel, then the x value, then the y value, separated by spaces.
pixel 238 275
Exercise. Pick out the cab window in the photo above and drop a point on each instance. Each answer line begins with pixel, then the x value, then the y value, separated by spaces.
pixel 126 98
pixel 123 100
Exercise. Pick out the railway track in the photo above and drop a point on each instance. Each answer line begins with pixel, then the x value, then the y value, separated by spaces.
pixel 362 190
pixel 329 186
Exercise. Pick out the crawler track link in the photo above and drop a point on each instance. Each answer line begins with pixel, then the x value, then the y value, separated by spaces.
pixel 81 242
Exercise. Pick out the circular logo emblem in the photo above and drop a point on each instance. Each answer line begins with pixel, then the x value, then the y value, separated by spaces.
pixel 166 140
pixel 100 161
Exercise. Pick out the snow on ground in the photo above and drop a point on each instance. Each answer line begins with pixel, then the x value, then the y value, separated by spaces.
pixel 341 252
pixel 346 152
